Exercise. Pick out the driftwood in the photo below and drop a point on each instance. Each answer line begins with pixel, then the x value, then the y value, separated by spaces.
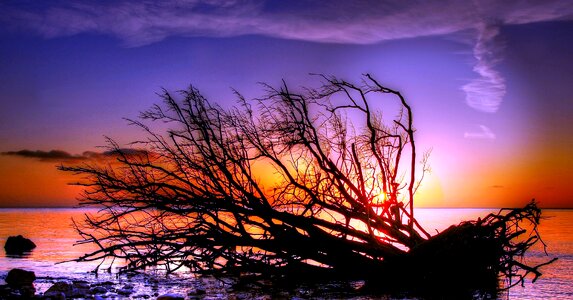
pixel 340 205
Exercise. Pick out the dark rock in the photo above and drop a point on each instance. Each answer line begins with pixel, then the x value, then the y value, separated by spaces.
pixel 124 292
pixel 196 291
pixel 5 292
pixel 98 290
pixel 80 288
pixel 23 292
pixel 61 287
pixel 81 284
pixel 18 245
pixel 108 283
pixel 19 278
pixel 54 295
pixel 28 291
pixel 171 297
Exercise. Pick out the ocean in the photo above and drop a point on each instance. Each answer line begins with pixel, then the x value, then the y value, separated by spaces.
pixel 55 238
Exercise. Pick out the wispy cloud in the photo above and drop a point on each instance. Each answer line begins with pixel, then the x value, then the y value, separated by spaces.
pixel 483 133
pixel 52 155
pixel 486 92
pixel 138 23
pixel 143 22
pixel 63 156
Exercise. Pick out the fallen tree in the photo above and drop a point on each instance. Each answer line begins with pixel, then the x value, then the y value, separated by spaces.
pixel 338 202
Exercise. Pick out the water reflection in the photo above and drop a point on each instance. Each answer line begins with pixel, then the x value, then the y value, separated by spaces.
pixel 51 230
pixel 54 236
pixel 25 254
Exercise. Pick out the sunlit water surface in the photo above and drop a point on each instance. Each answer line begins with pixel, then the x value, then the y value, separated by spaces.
pixel 54 236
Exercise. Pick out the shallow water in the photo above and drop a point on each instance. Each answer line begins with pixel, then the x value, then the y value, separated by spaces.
pixel 556 230
pixel 52 232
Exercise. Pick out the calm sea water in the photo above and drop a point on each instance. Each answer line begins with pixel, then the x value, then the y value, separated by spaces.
pixel 52 232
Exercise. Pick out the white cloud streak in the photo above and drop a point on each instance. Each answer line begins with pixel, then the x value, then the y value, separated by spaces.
pixel 337 21
pixel 138 23
pixel 483 133
pixel 486 92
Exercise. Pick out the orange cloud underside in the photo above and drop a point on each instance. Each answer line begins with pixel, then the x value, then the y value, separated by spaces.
pixel 501 182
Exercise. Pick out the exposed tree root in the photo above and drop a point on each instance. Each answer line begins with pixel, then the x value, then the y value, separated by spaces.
pixel 340 208
pixel 483 257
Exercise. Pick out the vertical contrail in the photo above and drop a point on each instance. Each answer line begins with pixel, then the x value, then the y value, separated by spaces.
pixel 486 92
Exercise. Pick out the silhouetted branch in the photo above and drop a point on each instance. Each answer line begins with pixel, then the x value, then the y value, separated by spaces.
pixel 332 206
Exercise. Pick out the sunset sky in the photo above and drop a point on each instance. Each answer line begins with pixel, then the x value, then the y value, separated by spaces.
pixel 490 82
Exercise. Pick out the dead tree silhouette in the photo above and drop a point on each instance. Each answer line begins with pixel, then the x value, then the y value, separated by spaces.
pixel 340 204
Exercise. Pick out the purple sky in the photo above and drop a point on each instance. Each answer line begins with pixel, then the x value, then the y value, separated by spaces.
pixel 490 81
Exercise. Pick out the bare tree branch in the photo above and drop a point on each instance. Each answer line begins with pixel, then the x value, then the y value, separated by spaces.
pixel 332 205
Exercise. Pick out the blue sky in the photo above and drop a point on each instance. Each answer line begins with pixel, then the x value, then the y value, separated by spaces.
pixel 490 81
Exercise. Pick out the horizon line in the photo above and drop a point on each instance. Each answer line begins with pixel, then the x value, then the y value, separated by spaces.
pixel 422 207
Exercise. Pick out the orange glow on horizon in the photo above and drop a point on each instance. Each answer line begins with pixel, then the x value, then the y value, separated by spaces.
pixel 501 182
pixel 31 183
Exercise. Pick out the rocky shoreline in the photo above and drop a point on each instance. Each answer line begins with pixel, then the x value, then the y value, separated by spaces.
pixel 153 287
pixel 22 284
pixel 25 284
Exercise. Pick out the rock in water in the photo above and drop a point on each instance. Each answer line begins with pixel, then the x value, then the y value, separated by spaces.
pixel 171 297
pixel 54 296
pixel 20 282
pixel 98 290
pixel 61 287
pixel 19 278
pixel 18 245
